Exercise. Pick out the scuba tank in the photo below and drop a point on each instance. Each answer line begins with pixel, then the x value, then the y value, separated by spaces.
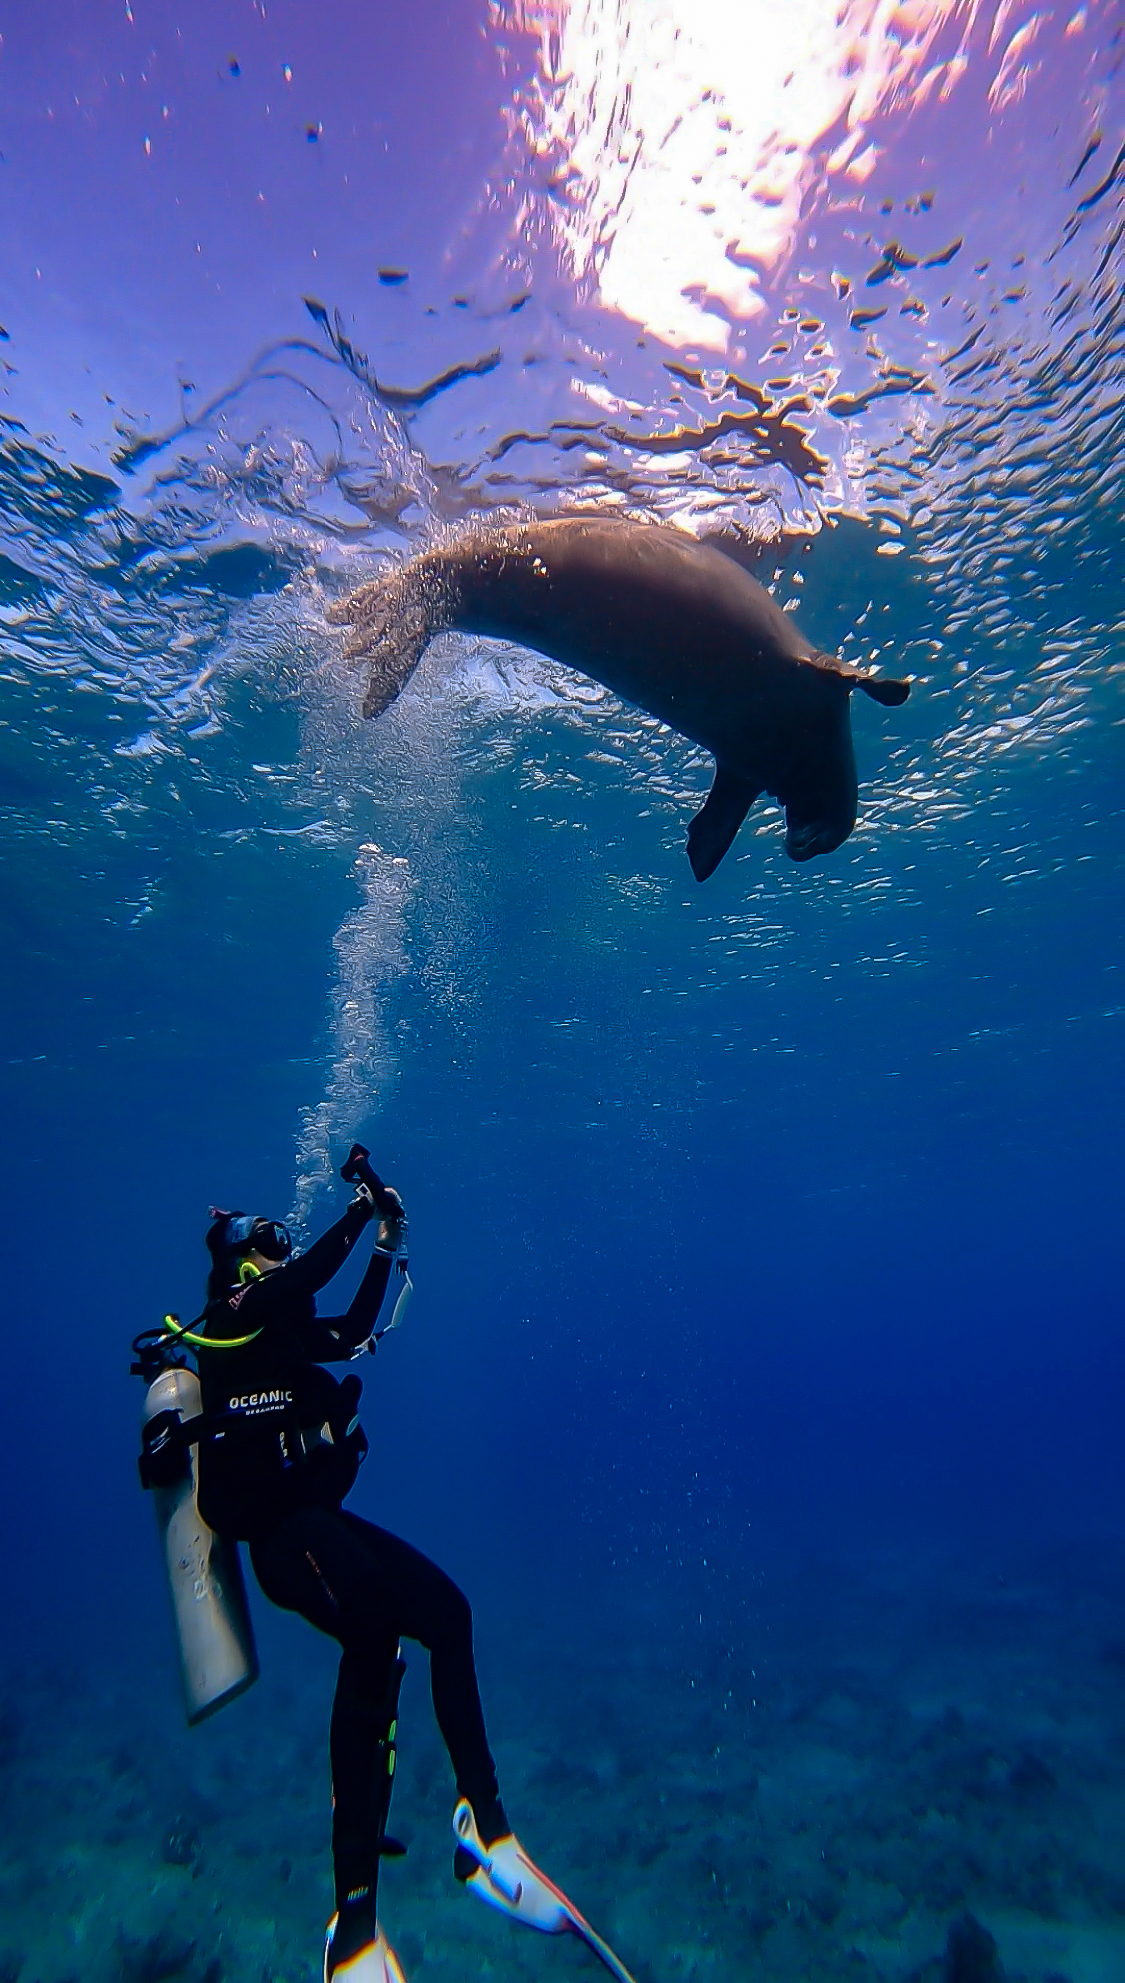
pixel 214 1633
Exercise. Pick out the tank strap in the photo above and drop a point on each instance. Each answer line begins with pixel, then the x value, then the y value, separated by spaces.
pixel 166 1439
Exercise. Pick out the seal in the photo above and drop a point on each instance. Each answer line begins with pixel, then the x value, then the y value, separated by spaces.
pixel 669 624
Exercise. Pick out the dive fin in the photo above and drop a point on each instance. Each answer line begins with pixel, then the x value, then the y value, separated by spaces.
pixel 511 1882
pixel 373 1962
pixel 718 820
pixel 890 694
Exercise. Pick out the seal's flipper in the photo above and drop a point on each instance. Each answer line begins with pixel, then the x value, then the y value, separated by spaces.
pixel 392 659
pixel 718 820
pixel 890 694
pixel 390 631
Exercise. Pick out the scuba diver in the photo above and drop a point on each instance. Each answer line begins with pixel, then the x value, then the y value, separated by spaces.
pixel 279 1447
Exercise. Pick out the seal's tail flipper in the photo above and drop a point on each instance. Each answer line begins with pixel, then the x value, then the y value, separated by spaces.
pixel 390 630
pixel 718 820
pixel 890 694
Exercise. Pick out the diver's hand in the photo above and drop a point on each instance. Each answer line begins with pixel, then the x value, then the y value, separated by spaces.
pixel 392 1224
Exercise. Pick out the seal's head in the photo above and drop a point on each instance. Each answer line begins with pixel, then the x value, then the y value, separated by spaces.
pixel 821 791
pixel 806 838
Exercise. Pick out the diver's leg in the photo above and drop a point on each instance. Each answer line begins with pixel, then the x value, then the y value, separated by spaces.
pixel 403 1586
pixel 314 1565
pixel 362 1746
pixel 427 1605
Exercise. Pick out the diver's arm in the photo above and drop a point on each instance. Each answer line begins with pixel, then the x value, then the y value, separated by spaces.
pixel 311 1271
pixel 345 1333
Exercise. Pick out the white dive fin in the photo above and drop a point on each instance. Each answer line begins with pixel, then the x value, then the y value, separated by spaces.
pixel 507 1879
pixel 375 1962
pixel 398 1311
pixel 400 1307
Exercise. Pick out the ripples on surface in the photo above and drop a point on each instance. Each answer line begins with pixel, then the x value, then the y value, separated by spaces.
pixel 842 290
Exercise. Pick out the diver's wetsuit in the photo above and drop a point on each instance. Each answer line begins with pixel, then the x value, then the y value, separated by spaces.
pixel 269 1476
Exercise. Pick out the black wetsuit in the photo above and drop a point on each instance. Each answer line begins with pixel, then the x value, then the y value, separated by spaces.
pixel 281 1453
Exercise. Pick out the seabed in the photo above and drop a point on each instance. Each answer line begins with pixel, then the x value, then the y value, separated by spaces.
pixel 815 1785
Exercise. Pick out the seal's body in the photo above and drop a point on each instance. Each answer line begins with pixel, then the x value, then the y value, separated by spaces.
pixel 667 623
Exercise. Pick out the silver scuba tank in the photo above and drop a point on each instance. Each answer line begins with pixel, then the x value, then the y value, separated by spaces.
pixel 218 1657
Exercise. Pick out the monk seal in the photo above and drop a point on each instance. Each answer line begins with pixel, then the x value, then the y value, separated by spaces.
pixel 667 623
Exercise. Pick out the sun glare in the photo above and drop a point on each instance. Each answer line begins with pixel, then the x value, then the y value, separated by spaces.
pixel 688 134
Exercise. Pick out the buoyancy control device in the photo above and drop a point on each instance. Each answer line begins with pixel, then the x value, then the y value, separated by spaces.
pixel 214 1633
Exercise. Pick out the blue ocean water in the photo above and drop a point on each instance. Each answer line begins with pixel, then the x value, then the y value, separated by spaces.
pixel 762 1383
